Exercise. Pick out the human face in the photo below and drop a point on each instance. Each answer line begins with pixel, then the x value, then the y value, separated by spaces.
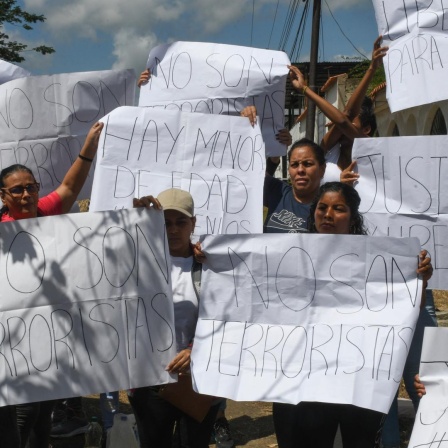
pixel 305 173
pixel 23 205
pixel 332 215
pixel 179 228
pixel 357 123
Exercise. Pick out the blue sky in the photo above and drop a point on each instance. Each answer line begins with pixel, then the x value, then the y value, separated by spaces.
pixel 105 34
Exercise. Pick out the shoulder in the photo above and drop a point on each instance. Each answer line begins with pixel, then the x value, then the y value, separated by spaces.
pixel 50 205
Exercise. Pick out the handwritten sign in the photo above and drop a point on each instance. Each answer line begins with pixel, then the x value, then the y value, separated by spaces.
pixel 402 189
pixel 417 60
pixel 86 305
pixel 9 71
pixel 219 159
pixel 44 119
pixel 306 318
pixel 220 79
pixel 431 421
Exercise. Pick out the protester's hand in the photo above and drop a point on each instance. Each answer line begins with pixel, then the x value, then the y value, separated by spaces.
pixel 378 53
pixel 144 77
pixel 424 267
pixel 251 113
pixel 198 254
pixel 296 77
pixel 419 386
pixel 180 363
pixel 91 142
pixel 147 201
pixel 284 137
pixel 348 176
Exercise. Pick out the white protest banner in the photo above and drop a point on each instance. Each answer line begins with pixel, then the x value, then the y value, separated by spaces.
pixel 402 187
pixel 9 71
pixel 219 159
pixel 220 79
pixel 416 64
pixel 85 305
pixel 431 421
pixel 44 119
pixel 306 317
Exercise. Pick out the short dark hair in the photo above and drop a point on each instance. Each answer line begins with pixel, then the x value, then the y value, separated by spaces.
pixel 367 115
pixel 319 153
pixel 351 198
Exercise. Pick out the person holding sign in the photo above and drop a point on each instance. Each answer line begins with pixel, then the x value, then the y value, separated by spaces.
pixel 357 120
pixel 314 424
pixel 154 414
pixel 19 193
pixel 289 205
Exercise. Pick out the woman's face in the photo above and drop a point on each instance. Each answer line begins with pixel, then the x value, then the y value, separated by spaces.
pixel 21 204
pixel 179 228
pixel 305 173
pixel 332 215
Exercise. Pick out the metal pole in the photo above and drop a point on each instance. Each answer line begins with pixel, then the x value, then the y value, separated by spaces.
pixel 311 111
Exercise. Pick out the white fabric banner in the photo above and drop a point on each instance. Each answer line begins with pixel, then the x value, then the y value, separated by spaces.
pixel 85 305
pixel 402 189
pixel 431 421
pixel 219 159
pixel 416 64
pixel 306 318
pixel 9 71
pixel 220 79
pixel 44 119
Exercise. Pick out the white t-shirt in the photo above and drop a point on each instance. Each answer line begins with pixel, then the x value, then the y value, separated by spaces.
pixel 185 301
pixel 332 171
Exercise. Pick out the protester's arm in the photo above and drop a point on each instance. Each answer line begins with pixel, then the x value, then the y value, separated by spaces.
pixel 424 269
pixel 74 180
pixel 353 106
pixel 335 115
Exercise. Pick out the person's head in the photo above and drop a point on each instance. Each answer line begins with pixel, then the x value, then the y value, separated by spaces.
pixel 306 169
pixel 19 192
pixel 366 120
pixel 335 210
pixel 178 207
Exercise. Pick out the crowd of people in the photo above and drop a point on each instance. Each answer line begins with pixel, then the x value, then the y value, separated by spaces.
pixel 319 198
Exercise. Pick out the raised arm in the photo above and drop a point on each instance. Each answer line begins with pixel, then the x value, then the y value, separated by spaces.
pixel 77 174
pixel 332 113
pixel 353 106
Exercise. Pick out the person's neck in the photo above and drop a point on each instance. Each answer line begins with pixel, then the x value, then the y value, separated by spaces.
pixel 182 253
pixel 304 199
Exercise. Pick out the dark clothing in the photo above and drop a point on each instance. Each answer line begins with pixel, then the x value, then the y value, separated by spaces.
pixel 9 433
pixel 34 419
pixel 156 417
pixel 285 214
pixel 314 425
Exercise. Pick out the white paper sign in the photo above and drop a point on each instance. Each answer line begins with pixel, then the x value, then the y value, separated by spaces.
pixel 44 119
pixel 219 159
pixel 220 79
pixel 85 305
pixel 431 421
pixel 306 318
pixel 9 71
pixel 403 192
pixel 416 64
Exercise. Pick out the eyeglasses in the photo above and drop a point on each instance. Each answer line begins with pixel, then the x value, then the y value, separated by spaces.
pixel 19 190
